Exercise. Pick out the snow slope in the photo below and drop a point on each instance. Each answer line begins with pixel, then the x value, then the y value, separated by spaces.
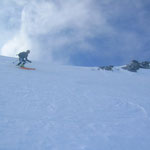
pixel 73 108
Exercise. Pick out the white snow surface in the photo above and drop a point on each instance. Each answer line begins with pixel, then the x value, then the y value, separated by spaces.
pixel 73 108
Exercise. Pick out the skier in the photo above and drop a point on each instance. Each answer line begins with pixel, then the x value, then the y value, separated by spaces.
pixel 23 58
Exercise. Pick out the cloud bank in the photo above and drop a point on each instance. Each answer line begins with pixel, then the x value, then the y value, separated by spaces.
pixel 63 31
pixel 59 23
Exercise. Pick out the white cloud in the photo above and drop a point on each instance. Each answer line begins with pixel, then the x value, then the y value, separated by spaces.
pixel 12 47
pixel 49 25
pixel 54 18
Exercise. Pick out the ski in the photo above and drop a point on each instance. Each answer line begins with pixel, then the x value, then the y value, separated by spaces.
pixel 26 68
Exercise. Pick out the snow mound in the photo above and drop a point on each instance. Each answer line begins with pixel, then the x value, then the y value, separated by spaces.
pixel 73 108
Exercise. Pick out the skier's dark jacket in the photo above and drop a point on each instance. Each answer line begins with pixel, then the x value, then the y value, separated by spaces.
pixel 24 56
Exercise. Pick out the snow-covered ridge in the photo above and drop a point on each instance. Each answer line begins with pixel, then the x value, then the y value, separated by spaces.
pixel 73 108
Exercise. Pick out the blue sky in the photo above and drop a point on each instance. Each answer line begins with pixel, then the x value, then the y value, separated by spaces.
pixel 76 32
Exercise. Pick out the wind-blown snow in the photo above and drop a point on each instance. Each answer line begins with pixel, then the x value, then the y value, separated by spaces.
pixel 73 108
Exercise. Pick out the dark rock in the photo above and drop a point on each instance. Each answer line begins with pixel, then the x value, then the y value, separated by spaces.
pixel 133 66
pixel 145 64
pixel 108 68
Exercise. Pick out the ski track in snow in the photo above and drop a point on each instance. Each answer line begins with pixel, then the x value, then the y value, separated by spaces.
pixel 73 108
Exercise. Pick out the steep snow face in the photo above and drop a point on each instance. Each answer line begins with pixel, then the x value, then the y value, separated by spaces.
pixel 73 108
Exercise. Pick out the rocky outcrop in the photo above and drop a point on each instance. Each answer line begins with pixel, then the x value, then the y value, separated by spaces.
pixel 145 64
pixel 135 65
pixel 108 68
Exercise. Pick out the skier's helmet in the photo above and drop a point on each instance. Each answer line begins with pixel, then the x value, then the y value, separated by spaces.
pixel 28 51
